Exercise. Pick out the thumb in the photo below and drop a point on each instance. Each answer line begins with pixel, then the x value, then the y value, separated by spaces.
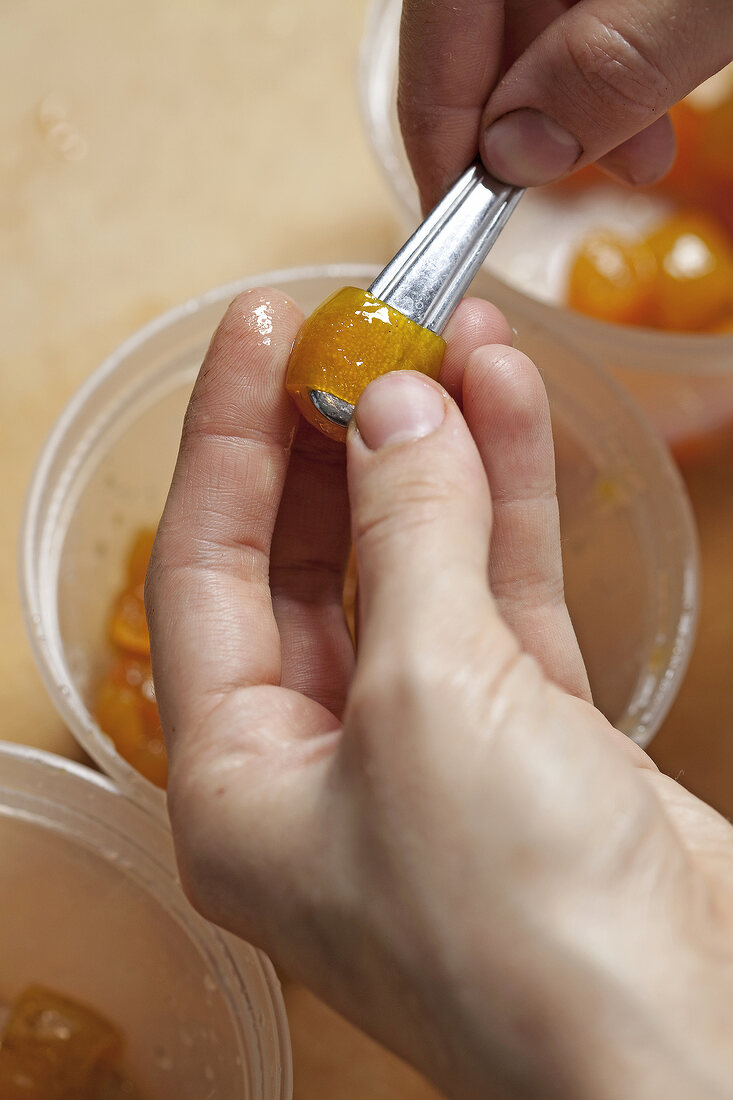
pixel 596 77
pixel 421 524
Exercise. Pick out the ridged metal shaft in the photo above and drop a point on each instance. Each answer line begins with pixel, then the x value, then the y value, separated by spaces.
pixel 430 274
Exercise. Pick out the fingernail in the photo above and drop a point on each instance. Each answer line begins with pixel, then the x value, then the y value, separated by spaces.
pixel 634 173
pixel 527 148
pixel 621 171
pixel 398 407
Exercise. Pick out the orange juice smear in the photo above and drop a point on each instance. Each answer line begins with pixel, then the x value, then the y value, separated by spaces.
pixel 349 340
pixel 126 708
pixel 680 277
pixel 54 1048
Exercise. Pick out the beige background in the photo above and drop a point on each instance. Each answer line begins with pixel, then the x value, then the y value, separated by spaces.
pixel 148 151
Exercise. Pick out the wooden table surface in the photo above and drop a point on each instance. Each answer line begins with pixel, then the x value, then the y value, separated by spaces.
pixel 149 151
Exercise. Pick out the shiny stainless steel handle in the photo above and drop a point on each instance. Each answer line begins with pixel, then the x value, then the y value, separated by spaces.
pixel 433 270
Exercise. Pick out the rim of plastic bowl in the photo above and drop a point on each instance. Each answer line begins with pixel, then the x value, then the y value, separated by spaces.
pixel 38 578
pixel 68 796
pixel 376 72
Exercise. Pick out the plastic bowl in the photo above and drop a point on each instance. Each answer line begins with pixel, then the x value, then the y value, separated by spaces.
pixel 684 382
pixel 628 537
pixel 91 907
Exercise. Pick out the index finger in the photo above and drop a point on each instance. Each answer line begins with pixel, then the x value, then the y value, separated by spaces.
pixel 450 56
pixel 210 615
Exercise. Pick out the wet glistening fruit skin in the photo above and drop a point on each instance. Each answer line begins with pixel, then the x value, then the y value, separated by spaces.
pixel 679 278
pixel 613 279
pixel 349 340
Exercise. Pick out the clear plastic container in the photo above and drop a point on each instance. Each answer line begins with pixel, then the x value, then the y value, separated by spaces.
pixel 91 907
pixel 684 382
pixel 628 537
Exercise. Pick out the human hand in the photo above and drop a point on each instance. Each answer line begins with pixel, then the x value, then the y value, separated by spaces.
pixel 439 834
pixel 540 87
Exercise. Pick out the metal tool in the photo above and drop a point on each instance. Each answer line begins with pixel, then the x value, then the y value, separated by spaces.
pixel 433 270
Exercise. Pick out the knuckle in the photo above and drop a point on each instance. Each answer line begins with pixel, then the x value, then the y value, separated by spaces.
pixel 213 410
pixel 385 689
pixel 411 508
pixel 202 418
pixel 532 592
pixel 365 696
pixel 400 682
pixel 197 412
pixel 399 703
pixel 619 70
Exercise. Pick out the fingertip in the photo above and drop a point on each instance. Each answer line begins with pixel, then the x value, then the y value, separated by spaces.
pixel 259 321
pixel 474 324
pixel 275 301
pixel 644 158
pixel 527 148
pixel 242 378
pixel 505 400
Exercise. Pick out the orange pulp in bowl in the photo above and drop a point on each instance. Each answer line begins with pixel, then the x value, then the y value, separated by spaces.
pixel 680 277
pixel 126 708
pixel 54 1048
